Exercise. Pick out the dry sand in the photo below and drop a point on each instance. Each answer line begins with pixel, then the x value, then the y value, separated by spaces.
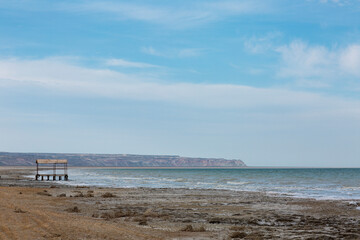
pixel 42 210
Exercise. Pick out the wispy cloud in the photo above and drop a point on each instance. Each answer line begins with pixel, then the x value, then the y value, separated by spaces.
pixel 69 78
pixel 349 59
pixel 261 44
pixel 151 51
pixel 128 64
pixel 338 2
pixel 173 16
pixel 316 66
pixel 173 53
pixel 301 60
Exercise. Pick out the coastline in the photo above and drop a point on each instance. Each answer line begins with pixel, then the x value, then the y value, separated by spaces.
pixel 316 183
pixel 42 211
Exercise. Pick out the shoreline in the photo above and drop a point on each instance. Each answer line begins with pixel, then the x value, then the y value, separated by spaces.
pixel 46 209
pixel 26 180
pixel 244 167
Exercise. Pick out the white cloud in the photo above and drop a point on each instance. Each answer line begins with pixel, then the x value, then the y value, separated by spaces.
pixel 314 66
pixel 338 2
pixel 303 61
pixel 151 51
pixel 349 59
pixel 123 63
pixel 168 14
pixel 256 44
pixel 189 52
pixel 175 16
pixel 61 76
pixel 173 53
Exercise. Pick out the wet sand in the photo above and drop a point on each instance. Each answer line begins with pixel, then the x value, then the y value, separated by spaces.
pixel 44 210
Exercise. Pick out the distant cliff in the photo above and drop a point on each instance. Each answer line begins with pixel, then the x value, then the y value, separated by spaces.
pixel 117 160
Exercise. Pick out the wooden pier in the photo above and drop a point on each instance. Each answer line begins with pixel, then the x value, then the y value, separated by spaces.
pixel 48 165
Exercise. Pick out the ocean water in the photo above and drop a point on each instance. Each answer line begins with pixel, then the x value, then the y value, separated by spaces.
pixel 315 183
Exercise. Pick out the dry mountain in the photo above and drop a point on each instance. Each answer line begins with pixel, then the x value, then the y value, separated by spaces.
pixel 117 160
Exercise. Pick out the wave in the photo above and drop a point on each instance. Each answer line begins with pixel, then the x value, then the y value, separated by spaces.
pixel 238 183
pixel 329 186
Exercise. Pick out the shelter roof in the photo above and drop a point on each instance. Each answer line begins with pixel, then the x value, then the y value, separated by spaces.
pixel 49 161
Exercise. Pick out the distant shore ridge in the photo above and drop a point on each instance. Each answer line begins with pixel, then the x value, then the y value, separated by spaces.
pixel 117 160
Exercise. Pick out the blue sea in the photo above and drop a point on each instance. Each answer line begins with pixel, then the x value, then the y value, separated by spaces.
pixel 318 183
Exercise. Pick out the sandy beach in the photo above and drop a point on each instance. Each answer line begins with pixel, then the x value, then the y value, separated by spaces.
pixel 44 210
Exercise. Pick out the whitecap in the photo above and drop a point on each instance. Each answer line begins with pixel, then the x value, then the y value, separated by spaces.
pixel 237 183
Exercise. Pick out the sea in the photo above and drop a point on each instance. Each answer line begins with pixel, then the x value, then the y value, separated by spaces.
pixel 317 183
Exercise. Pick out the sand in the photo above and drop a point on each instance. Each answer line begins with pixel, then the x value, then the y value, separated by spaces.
pixel 43 210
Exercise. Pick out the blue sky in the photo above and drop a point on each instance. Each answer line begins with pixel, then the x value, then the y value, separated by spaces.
pixel 271 82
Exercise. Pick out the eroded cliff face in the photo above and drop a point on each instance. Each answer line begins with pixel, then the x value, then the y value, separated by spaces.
pixel 117 160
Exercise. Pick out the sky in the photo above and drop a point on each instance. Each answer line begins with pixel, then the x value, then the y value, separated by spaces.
pixel 270 82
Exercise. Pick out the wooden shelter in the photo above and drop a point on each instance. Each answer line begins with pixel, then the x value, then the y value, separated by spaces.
pixel 50 167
